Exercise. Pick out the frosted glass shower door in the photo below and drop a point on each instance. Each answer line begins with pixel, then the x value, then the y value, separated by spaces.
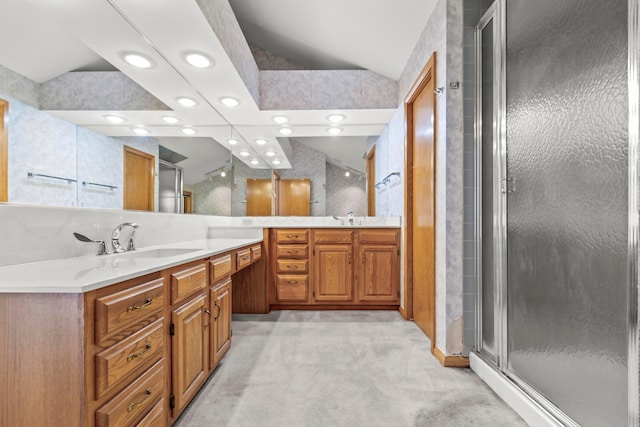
pixel 567 220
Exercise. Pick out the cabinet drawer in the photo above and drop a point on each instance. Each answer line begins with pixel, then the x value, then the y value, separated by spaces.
pixel 292 236
pixel 135 401
pixel 119 360
pixel 292 251
pixel 256 253
pixel 293 266
pixel 292 287
pixel 220 267
pixel 378 236
pixel 156 416
pixel 188 282
pixel 128 307
pixel 333 236
pixel 243 258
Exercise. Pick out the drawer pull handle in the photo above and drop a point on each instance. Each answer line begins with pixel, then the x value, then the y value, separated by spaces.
pixel 292 252
pixel 146 304
pixel 134 355
pixel 362 258
pixel 135 405
pixel 292 267
pixel 208 312
pixel 292 282
pixel 219 310
pixel 245 258
pixel 292 236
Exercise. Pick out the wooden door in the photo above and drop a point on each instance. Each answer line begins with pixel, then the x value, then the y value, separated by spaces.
pixel 333 273
pixel 295 197
pixel 378 275
pixel 220 333
pixel 187 202
pixel 421 202
pixel 258 197
pixel 139 180
pixel 189 350
pixel 371 182
pixel 4 151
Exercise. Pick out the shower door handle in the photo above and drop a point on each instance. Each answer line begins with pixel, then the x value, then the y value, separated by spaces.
pixel 508 185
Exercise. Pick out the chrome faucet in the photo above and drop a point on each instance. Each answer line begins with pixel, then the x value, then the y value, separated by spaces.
pixel 350 217
pixel 115 237
pixel 102 249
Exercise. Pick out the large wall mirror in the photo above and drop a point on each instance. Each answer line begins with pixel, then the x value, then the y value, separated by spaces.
pixel 56 163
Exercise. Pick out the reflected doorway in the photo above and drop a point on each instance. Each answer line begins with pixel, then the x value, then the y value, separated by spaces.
pixel 139 180
pixel 4 151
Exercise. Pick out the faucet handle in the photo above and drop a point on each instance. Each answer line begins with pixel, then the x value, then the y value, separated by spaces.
pixel 131 246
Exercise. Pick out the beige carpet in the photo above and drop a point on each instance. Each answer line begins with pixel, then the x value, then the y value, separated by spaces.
pixel 339 368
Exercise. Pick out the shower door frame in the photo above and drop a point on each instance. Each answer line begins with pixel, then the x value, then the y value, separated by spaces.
pixel 497 13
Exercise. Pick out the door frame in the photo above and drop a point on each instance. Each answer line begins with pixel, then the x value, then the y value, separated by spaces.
pixel 4 151
pixel 425 76
pixel 151 176
pixel 371 182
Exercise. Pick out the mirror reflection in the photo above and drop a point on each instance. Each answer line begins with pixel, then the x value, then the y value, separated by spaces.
pixel 54 162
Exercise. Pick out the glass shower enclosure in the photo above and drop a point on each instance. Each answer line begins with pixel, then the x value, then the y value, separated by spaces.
pixel 557 205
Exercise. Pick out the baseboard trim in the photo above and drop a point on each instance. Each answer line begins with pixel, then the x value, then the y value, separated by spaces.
pixel 403 312
pixel 529 410
pixel 450 361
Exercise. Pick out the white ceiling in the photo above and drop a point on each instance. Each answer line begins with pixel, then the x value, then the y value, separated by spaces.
pixel 377 35
pixel 49 38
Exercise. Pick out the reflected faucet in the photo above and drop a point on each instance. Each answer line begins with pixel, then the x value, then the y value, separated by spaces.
pixel 115 237
pixel 350 217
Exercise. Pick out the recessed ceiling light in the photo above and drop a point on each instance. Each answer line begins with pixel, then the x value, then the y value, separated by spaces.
pixel 261 141
pixel 170 119
pixel 280 119
pixel 255 162
pixel 270 153
pixel 232 141
pixel 186 102
pixel 244 153
pixel 286 131
pixel 336 118
pixel 198 60
pixel 229 102
pixel 223 173
pixel 347 173
pixel 276 162
pixel 137 60
pixel 114 119
pixel 141 131
pixel 189 131
pixel 334 131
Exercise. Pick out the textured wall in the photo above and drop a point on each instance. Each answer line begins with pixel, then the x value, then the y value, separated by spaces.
pixel 269 61
pixel 213 197
pixel 225 25
pixel 41 143
pixel 326 89
pixel 345 194
pixel 390 158
pixel 309 163
pixel 18 87
pixel 96 90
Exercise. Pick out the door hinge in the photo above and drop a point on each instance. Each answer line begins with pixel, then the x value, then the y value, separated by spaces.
pixel 313 293
pixel 398 251
pixel 172 329
pixel 172 401
pixel 314 252
pixel 508 185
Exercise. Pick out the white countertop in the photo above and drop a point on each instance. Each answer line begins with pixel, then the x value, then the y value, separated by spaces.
pixel 86 273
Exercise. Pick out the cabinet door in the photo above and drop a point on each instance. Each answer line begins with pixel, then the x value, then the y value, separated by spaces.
pixel 189 348
pixel 333 273
pixel 378 274
pixel 220 334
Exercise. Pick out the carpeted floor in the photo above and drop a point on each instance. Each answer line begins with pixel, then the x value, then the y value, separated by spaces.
pixel 339 368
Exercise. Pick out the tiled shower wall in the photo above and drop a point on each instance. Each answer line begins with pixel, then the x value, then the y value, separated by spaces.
pixel 473 11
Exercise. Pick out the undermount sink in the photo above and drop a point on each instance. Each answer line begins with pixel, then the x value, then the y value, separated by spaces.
pixel 156 253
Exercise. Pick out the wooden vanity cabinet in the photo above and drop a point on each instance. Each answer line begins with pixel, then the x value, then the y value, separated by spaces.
pixel 333 266
pixel 291 266
pixel 129 354
pixel 220 329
